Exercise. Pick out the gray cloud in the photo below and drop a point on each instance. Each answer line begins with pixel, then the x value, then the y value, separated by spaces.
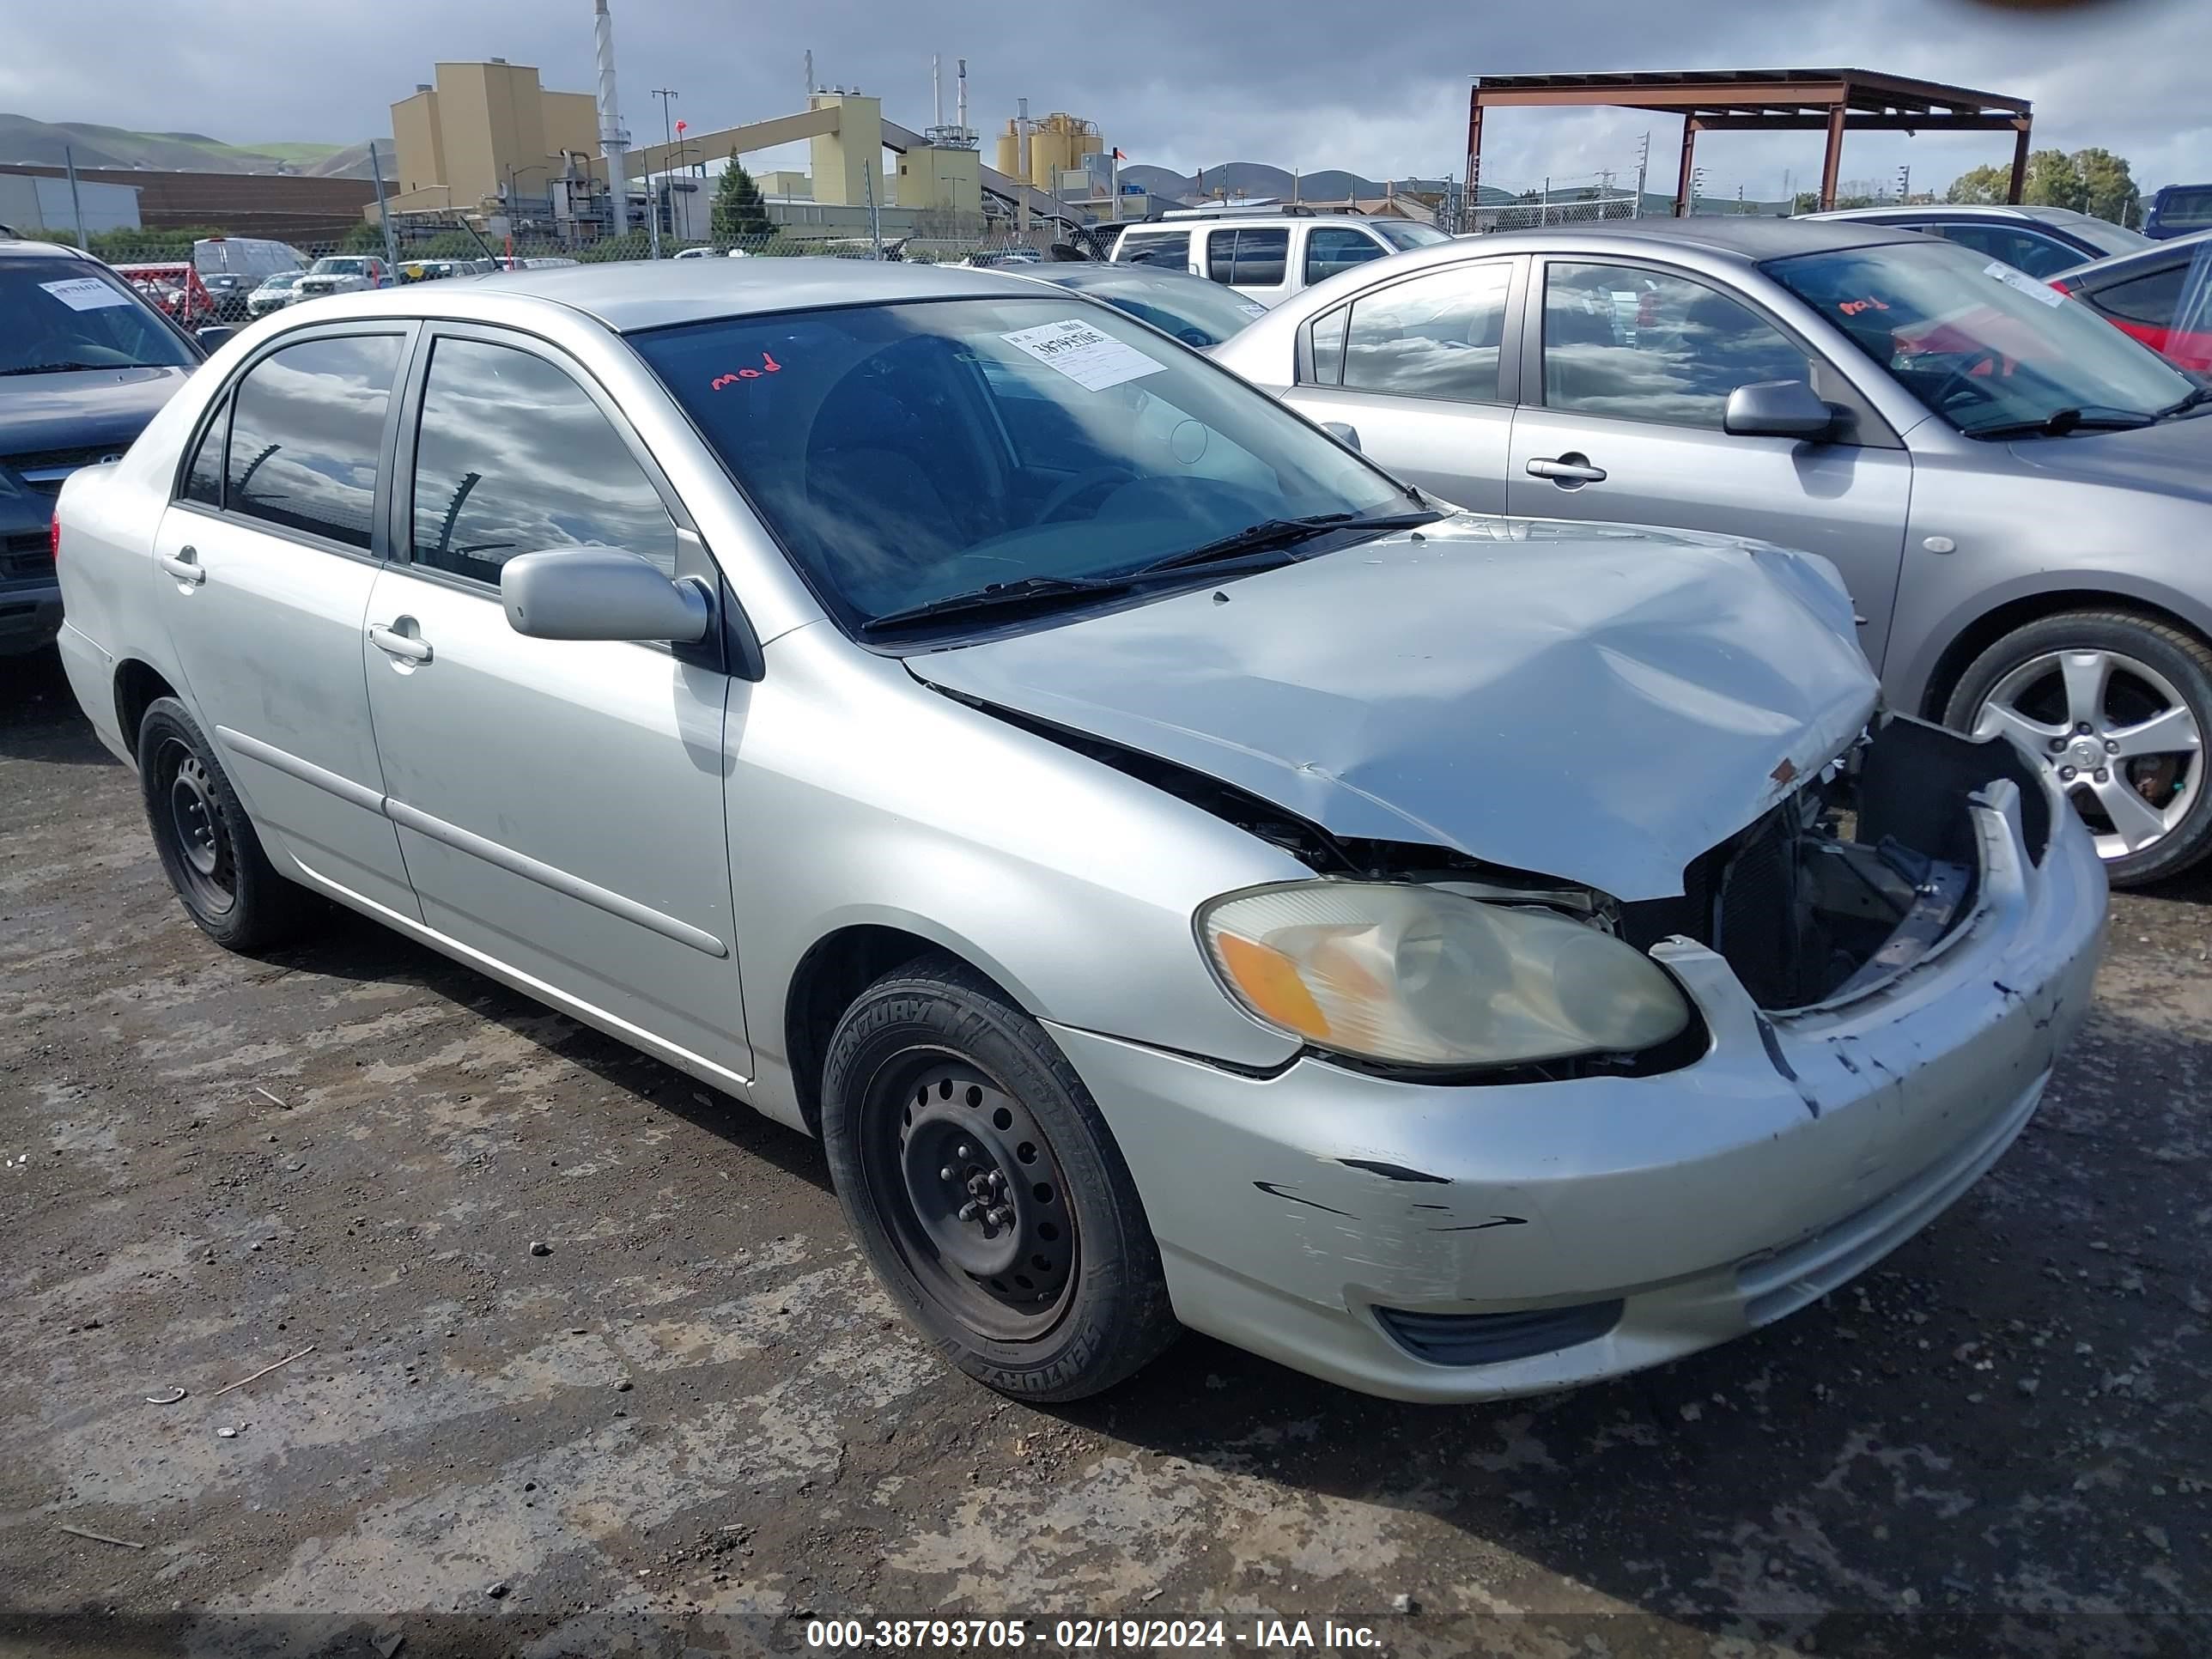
pixel 1377 90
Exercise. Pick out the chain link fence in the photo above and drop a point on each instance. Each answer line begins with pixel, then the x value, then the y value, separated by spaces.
pixel 204 274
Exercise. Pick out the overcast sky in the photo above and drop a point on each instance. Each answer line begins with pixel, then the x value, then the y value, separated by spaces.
pixel 1380 89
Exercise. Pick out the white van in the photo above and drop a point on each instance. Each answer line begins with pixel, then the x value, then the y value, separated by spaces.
pixel 1269 257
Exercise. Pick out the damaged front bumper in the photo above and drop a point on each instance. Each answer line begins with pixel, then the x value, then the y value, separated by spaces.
pixel 1454 1243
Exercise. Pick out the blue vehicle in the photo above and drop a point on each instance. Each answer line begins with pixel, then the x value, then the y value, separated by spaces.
pixel 2178 210
pixel 84 364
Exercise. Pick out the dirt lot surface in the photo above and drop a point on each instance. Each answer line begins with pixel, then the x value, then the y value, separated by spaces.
pixel 691 1423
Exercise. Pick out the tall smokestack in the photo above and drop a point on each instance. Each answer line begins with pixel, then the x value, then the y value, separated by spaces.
pixel 810 72
pixel 961 119
pixel 936 90
pixel 613 141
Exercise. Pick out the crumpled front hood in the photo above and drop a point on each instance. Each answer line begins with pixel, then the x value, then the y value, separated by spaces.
pixel 1593 703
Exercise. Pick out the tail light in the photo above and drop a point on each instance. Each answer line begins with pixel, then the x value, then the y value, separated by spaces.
pixel 54 538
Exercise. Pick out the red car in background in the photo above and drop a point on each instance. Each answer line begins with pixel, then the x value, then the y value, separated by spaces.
pixel 2162 297
pixel 175 289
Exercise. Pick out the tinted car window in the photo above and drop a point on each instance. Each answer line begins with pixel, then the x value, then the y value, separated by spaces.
pixel 2152 298
pixel 203 480
pixel 1332 248
pixel 1173 251
pixel 514 457
pixel 1647 347
pixel 1329 346
pixel 1248 256
pixel 1436 336
pixel 2180 209
pixel 60 315
pixel 2024 249
pixel 307 428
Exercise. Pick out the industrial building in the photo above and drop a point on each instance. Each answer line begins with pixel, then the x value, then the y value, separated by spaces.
pixel 486 133
pixel 33 202
pixel 282 207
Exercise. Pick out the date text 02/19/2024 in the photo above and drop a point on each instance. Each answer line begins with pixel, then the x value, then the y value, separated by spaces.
pixel 1085 1635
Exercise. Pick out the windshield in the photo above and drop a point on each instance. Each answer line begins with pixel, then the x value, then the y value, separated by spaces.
pixel 2101 234
pixel 1191 309
pixel 905 454
pixel 339 268
pixel 70 314
pixel 1982 344
pixel 283 279
pixel 1401 234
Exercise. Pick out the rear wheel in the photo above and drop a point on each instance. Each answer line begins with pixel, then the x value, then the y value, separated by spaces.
pixel 986 1190
pixel 2117 707
pixel 208 846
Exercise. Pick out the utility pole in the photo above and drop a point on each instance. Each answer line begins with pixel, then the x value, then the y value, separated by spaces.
pixel 1643 166
pixel 1904 183
pixel 875 221
pixel 384 218
pixel 76 206
pixel 1697 187
pixel 657 194
pixel 1022 160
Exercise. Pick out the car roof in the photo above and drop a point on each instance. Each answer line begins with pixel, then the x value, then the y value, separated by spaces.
pixel 1745 236
pixel 1085 273
pixel 31 247
pixel 631 295
pixel 1950 211
pixel 2175 250
pixel 1271 220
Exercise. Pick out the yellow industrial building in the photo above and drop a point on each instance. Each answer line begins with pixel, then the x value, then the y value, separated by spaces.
pixel 481 128
pixel 1058 145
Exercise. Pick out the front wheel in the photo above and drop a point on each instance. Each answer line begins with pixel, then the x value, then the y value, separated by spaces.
pixel 986 1189
pixel 2115 707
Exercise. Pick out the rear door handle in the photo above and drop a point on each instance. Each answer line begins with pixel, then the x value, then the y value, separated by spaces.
pixel 185 566
pixel 1568 470
pixel 394 643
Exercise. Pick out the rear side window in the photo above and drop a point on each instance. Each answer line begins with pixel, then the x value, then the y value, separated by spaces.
pixel 513 457
pixel 2024 249
pixel 2184 210
pixel 1436 336
pixel 203 481
pixel 1332 248
pixel 1171 251
pixel 1248 257
pixel 2153 298
pixel 307 428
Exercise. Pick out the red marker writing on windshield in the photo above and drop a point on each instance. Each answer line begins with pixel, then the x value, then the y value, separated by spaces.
pixel 768 365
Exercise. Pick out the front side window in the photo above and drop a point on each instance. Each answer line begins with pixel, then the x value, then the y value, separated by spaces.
pixel 1172 251
pixel 1404 233
pixel 514 457
pixel 1436 336
pixel 1985 346
pixel 60 315
pixel 1641 345
pixel 1248 256
pixel 905 454
pixel 307 429
pixel 1332 248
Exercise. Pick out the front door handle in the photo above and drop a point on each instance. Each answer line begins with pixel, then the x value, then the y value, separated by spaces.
pixel 1568 471
pixel 394 643
pixel 185 566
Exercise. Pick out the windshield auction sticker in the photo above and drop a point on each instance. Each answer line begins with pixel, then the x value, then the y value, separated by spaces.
pixel 1093 360
pixel 86 293
pixel 2025 284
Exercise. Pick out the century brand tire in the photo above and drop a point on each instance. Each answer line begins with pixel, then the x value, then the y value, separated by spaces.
pixel 2151 663
pixel 985 1188
pixel 208 846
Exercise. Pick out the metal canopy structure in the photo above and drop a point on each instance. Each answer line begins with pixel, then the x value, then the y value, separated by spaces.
pixel 1839 101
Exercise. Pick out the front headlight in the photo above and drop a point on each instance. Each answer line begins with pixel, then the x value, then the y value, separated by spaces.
pixel 1425 977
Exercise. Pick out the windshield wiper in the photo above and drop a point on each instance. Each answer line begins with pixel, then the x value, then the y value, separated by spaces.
pixel 57 368
pixel 2195 398
pixel 1278 536
pixel 2059 422
pixel 1026 590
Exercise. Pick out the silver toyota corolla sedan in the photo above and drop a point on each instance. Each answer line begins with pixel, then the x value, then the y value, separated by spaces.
pixel 1183 876
pixel 2018 496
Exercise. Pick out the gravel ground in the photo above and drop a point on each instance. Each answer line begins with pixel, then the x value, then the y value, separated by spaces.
pixel 690 1423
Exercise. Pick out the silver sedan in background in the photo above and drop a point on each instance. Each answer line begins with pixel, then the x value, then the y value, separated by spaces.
pixel 2019 495
pixel 1183 876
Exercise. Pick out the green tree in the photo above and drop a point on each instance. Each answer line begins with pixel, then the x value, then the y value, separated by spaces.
pixel 2053 180
pixel 1980 187
pixel 2108 188
pixel 739 214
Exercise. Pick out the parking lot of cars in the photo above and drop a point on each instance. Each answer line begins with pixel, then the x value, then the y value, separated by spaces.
pixel 1163 877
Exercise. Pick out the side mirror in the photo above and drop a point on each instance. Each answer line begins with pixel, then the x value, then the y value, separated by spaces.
pixel 1778 409
pixel 1343 432
pixel 600 593
pixel 209 338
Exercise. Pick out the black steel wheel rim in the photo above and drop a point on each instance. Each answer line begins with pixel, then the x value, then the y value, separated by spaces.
pixel 205 859
pixel 971 1195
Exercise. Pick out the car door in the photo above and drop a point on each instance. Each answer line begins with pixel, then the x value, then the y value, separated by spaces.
pixel 1332 248
pixel 1620 420
pixel 559 802
pixel 265 562
pixel 1253 259
pixel 1418 368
